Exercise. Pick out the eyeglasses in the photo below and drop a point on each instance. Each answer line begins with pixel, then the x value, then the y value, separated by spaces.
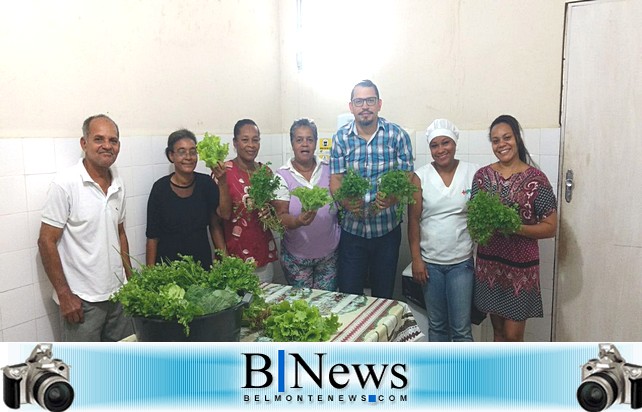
pixel 370 101
pixel 183 152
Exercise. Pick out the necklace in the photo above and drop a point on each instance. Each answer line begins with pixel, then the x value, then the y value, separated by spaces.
pixel 300 168
pixel 183 187
pixel 508 171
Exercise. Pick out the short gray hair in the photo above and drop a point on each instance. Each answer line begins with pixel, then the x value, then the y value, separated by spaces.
pixel 303 123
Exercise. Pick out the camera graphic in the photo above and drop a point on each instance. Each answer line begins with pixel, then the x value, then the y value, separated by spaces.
pixel 41 379
pixel 608 380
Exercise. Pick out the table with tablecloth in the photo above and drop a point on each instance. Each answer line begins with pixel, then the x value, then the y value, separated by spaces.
pixel 363 318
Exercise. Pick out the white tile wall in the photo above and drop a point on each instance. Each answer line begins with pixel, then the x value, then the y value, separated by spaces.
pixel 67 151
pixel 14 232
pixel 139 149
pixel 15 270
pixel 478 142
pixel 13 194
pixel 463 144
pixel 37 156
pixel 550 142
pixel 27 166
pixel 17 306
pixel 24 332
pixel 48 327
pixel 142 179
pixel 37 187
pixel 11 157
pixel 532 140
pixel 158 145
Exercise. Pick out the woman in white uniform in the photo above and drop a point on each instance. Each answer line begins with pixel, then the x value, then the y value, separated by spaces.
pixel 441 248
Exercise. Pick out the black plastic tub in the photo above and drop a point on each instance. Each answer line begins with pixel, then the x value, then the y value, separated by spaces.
pixel 224 326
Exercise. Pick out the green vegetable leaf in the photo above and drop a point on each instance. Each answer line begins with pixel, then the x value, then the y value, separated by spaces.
pixel 211 150
pixel 212 301
pixel 353 186
pixel 299 322
pixel 397 184
pixel 182 289
pixel 312 199
pixel 236 274
pixel 263 187
pixel 488 215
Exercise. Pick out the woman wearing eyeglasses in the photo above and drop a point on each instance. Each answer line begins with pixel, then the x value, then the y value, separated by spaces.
pixel 182 207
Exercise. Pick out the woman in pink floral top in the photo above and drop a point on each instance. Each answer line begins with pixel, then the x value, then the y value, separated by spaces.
pixel 507 268
pixel 245 237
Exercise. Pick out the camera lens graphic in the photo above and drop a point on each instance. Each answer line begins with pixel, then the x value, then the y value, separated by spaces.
pixel 58 396
pixel 53 392
pixel 597 392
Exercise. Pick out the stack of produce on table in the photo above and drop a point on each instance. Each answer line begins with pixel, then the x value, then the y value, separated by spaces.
pixel 182 290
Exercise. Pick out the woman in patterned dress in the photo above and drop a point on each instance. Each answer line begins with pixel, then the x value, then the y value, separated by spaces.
pixel 245 236
pixel 507 268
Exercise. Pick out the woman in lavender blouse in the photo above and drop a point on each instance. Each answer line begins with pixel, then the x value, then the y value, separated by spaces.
pixel 309 246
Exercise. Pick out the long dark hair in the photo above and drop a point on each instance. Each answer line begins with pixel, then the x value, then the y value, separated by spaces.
pixel 524 156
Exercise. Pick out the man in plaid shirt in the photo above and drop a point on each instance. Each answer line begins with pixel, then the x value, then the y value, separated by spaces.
pixel 370 230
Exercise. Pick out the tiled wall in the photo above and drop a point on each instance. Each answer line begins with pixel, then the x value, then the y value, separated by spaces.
pixel 27 166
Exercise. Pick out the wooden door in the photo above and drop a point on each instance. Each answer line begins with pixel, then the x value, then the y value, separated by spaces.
pixel 598 285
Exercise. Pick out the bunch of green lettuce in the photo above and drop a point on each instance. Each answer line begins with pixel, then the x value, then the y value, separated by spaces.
pixel 181 290
pixel 211 150
pixel 487 215
pixel 263 187
pixel 312 199
pixel 397 183
pixel 235 273
pixel 353 187
pixel 299 322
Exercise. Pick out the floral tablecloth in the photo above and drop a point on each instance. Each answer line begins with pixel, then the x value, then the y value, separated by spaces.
pixel 362 318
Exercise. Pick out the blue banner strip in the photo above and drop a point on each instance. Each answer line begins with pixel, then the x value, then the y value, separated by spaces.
pixel 418 376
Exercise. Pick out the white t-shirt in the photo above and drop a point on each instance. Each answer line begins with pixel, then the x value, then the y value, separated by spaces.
pixel 89 247
pixel 444 234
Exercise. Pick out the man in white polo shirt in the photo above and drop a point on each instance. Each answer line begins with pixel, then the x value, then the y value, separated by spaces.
pixel 82 241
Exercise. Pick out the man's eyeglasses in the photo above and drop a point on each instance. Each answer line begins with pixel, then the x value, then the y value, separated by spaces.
pixel 183 152
pixel 370 101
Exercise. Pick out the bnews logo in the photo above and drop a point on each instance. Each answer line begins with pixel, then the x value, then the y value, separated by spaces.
pixel 293 372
